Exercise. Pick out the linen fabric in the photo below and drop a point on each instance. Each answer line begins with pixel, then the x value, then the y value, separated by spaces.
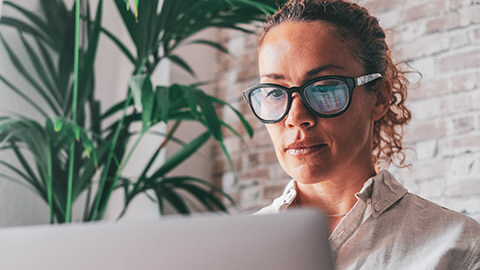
pixel 390 228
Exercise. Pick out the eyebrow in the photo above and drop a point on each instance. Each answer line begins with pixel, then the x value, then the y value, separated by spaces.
pixel 311 72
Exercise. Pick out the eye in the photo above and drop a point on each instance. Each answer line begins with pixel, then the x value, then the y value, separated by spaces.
pixel 275 94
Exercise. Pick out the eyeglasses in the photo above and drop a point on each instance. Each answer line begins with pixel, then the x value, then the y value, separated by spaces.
pixel 326 96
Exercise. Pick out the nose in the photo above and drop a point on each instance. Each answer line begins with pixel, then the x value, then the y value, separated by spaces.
pixel 299 116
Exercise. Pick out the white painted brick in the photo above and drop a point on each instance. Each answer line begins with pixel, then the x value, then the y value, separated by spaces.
pixel 456 103
pixel 458 39
pixel 428 88
pixel 476 217
pixel 426 66
pixel 456 4
pixel 277 172
pixel 230 82
pixel 425 109
pixel 426 149
pixel 236 46
pixel 228 183
pixel 391 18
pixel 417 49
pixel 459 144
pixel 475 169
pixel 425 130
pixel 251 196
pixel 411 32
pixel 430 169
pixel 461 165
pixel 463 186
pixel 229 115
pixel 465 204
pixel 461 124
pixel 233 144
pixel 406 176
pixel 476 100
pixel 431 188
pixel 474 36
pixel 464 81
pixel 473 14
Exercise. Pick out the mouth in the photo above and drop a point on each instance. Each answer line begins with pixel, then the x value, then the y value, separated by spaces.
pixel 297 151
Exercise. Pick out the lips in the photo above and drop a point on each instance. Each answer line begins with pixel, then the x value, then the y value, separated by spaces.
pixel 304 148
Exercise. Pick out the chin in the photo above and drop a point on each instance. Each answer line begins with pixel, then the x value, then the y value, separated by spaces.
pixel 306 174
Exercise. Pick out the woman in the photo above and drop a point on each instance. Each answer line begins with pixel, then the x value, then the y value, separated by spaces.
pixel 333 104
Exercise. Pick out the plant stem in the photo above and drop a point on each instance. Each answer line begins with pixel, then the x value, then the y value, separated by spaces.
pixel 124 210
pixel 141 66
pixel 111 153
pixel 68 210
pixel 87 203
pixel 119 173
pixel 50 183
pixel 164 142
pixel 167 138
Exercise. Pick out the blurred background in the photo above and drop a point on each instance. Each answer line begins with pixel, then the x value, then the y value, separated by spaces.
pixel 438 38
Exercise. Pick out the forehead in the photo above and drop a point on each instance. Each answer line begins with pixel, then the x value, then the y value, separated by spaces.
pixel 293 48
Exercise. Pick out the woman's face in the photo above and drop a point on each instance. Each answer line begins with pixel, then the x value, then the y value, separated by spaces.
pixel 309 148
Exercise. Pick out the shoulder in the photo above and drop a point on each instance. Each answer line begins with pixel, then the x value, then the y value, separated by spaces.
pixel 439 226
pixel 435 213
pixel 398 203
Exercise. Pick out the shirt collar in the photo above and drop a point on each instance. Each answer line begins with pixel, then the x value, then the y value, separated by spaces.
pixel 383 190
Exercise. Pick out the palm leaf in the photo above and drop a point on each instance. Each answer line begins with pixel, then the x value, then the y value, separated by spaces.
pixel 119 44
pixel 21 183
pixel 181 155
pixel 175 200
pixel 28 77
pixel 22 95
pixel 35 20
pixel 128 20
pixel 87 69
pixel 162 106
pixel 40 69
pixel 181 63
pixel 21 174
pixel 24 27
pixel 47 58
pixel 202 190
pixel 209 43
pixel 56 15
pixel 212 122
pixel 245 123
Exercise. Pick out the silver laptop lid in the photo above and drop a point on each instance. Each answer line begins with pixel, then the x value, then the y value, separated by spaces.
pixel 294 240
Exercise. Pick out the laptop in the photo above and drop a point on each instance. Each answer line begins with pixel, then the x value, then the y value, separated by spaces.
pixel 297 239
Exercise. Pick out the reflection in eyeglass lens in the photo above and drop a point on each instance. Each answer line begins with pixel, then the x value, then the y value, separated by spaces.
pixel 327 97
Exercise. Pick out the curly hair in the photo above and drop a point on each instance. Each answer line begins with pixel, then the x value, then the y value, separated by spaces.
pixel 352 20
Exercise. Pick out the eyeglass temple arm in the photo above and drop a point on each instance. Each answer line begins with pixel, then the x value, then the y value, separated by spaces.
pixel 367 78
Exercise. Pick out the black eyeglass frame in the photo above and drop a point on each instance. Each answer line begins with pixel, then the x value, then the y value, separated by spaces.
pixel 351 83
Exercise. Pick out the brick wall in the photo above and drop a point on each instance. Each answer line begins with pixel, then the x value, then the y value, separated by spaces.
pixel 439 38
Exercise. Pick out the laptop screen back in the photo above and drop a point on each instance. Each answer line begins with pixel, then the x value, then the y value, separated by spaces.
pixel 294 240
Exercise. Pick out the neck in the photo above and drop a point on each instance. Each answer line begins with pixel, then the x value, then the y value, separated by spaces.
pixel 334 196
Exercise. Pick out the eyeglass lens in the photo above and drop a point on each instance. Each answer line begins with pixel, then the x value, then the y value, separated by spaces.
pixel 324 97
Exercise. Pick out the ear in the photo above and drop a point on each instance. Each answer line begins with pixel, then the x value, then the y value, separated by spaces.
pixel 383 96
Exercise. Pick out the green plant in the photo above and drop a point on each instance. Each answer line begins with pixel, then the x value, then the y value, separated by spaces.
pixel 68 149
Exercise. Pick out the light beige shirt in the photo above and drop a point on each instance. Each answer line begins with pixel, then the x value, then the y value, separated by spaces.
pixel 390 228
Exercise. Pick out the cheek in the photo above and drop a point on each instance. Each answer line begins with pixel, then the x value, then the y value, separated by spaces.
pixel 276 133
pixel 352 129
